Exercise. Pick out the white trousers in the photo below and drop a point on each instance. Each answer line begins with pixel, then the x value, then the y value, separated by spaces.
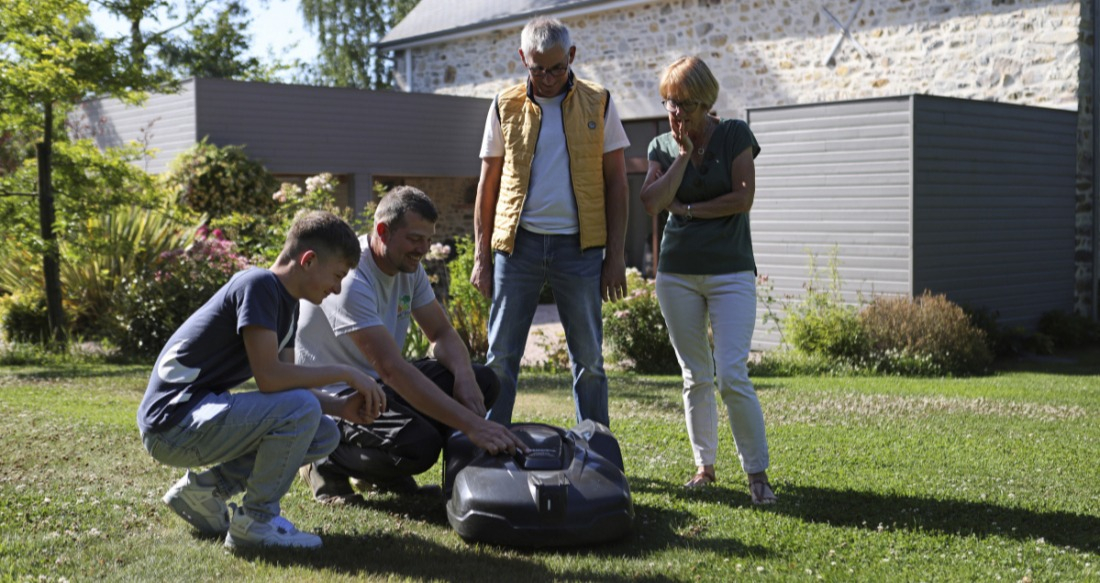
pixel 728 301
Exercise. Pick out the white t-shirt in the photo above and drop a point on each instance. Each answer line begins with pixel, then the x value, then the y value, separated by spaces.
pixel 550 207
pixel 368 297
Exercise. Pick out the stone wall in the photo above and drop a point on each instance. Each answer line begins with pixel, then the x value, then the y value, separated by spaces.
pixel 773 52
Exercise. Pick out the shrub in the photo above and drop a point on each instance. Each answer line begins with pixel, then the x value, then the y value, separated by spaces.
pixel 435 266
pixel 90 185
pixel 784 362
pixel 23 317
pixel 259 234
pixel 153 304
pixel 220 181
pixel 468 309
pixel 927 334
pixel 1069 330
pixel 96 255
pixel 556 351
pixel 113 247
pixel 634 329
pixel 821 323
pixel 417 345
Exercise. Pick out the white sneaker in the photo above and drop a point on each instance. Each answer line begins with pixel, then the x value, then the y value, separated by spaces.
pixel 198 505
pixel 245 532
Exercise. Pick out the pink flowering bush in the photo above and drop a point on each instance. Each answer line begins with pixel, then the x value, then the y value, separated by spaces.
pixel 634 330
pixel 156 302
pixel 259 234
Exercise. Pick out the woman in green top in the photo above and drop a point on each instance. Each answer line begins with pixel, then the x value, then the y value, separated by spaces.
pixel 702 173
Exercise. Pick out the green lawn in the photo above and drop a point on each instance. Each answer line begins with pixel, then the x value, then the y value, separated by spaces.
pixel 984 479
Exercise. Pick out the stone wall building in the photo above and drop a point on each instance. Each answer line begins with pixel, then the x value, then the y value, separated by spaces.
pixel 769 53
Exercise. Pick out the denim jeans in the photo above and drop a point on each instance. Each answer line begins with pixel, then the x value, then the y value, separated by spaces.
pixel 728 301
pixel 574 277
pixel 257 441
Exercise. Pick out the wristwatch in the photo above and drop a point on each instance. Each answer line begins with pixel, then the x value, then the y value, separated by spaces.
pixel 687 216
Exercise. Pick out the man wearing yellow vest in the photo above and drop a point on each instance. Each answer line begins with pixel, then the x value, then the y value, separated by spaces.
pixel 551 207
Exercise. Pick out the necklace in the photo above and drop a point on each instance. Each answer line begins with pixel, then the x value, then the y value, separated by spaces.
pixel 706 137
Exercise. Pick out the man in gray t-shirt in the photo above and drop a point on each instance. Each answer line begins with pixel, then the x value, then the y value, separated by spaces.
pixel 365 326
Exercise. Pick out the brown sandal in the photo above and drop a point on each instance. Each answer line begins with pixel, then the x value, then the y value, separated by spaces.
pixel 701 479
pixel 761 492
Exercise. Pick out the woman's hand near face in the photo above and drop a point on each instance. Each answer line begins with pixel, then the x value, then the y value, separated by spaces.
pixel 680 134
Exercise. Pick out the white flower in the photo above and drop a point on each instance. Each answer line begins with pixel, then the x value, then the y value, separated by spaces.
pixel 438 251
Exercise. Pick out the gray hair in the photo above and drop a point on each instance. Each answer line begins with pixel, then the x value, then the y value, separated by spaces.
pixel 544 33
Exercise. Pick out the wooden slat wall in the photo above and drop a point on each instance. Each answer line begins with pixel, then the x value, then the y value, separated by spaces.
pixel 994 206
pixel 165 123
pixel 831 176
pixel 302 130
pixel 306 130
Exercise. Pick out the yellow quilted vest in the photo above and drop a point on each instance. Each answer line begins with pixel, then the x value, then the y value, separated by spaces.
pixel 583 116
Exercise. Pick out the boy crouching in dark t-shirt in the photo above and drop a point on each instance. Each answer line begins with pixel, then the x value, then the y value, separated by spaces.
pixel 256 440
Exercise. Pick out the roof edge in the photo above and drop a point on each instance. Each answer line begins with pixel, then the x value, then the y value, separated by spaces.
pixel 512 20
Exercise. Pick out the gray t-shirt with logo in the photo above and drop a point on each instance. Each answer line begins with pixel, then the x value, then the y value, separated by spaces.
pixel 368 297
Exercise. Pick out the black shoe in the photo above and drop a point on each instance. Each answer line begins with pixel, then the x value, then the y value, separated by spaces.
pixel 401 485
pixel 327 487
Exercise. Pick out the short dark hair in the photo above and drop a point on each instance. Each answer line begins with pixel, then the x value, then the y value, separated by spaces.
pixel 325 233
pixel 399 201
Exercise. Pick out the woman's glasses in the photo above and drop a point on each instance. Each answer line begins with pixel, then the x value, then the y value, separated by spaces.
pixel 671 105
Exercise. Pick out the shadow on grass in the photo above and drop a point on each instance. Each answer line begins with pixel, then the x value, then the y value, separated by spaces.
pixel 655 531
pixel 646 390
pixel 416 558
pixel 426 509
pixel 76 371
pixel 1078 362
pixel 867 510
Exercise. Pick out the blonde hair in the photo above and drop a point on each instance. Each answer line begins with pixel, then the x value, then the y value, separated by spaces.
pixel 689 78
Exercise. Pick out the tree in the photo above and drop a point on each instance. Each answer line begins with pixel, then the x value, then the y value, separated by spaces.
pixel 49 60
pixel 216 49
pixel 137 12
pixel 345 30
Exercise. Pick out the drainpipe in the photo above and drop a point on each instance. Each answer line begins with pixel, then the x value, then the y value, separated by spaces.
pixel 408 70
pixel 1093 308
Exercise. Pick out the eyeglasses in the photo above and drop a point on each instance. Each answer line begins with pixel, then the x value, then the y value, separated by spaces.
pixel 672 105
pixel 540 72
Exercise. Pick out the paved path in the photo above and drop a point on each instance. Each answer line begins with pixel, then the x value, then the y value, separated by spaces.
pixel 546 320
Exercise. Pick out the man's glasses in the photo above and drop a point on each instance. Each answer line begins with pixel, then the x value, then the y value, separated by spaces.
pixel 540 72
pixel 672 105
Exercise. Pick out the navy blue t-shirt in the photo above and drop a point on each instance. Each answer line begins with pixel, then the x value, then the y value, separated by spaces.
pixel 207 354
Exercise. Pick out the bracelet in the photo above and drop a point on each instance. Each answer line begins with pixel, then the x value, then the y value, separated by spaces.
pixel 688 214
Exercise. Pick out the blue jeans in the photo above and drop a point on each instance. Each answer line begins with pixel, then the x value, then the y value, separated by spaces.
pixel 574 277
pixel 258 441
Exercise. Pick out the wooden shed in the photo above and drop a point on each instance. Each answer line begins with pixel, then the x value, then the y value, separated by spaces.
pixel 299 131
pixel 971 199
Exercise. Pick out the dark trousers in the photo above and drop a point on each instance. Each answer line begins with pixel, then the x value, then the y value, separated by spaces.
pixel 402 441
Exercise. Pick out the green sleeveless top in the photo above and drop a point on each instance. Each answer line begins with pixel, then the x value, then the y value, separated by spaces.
pixel 707 246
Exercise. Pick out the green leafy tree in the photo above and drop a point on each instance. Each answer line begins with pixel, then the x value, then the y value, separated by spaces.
pixel 50 60
pixel 345 31
pixel 142 35
pixel 216 49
